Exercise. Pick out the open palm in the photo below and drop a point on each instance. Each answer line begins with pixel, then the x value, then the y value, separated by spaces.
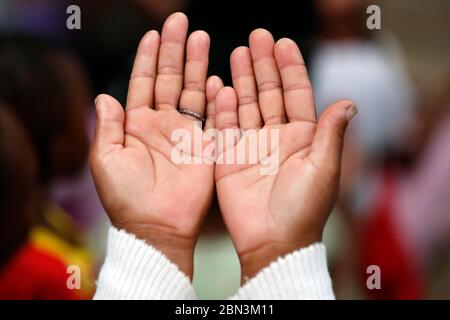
pixel 141 187
pixel 285 208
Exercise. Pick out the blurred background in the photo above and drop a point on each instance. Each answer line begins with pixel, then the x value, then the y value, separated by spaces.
pixel 394 205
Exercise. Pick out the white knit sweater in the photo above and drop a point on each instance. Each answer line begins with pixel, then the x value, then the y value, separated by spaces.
pixel 135 270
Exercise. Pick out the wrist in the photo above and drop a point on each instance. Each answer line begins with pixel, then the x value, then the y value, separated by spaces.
pixel 179 250
pixel 252 262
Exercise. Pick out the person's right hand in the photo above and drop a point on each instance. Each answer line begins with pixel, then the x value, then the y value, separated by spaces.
pixel 143 191
pixel 269 216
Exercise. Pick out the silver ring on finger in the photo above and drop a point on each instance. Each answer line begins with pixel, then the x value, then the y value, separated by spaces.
pixel 191 113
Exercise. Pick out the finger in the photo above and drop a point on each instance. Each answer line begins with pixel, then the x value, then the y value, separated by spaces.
pixel 226 109
pixel 270 95
pixel 226 122
pixel 193 96
pixel 213 86
pixel 142 81
pixel 169 80
pixel 297 89
pixel 244 83
pixel 329 139
pixel 109 125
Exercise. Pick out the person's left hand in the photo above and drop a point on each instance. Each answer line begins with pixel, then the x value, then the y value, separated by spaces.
pixel 271 215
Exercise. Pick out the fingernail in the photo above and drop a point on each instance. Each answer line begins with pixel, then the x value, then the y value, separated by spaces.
pixel 351 112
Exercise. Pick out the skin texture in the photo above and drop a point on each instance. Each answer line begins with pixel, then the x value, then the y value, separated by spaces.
pixel 142 190
pixel 164 203
pixel 272 215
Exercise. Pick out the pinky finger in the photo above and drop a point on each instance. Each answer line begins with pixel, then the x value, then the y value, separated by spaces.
pixel 213 86
pixel 226 109
pixel 227 123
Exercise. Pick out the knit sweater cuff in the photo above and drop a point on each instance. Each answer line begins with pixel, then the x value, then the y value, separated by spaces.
pixel 135 270
pixel 302 274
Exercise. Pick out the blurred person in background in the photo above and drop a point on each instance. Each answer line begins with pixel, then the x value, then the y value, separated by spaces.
pixel 46 19
pixel 351 60
pixel 414 205
pixel 26 271
pixel 44 87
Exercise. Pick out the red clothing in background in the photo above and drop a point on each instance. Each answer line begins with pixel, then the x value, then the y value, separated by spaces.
pixel 382 245
pixel 34 274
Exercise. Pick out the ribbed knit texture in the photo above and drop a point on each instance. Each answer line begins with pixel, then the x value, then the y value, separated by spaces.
pixel 135 270
pixel 299 275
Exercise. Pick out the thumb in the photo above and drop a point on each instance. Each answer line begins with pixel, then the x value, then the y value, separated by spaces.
pixel 109 124
pixel 329 139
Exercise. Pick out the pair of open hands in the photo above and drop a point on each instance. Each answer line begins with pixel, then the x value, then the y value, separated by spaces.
pixel 164 203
